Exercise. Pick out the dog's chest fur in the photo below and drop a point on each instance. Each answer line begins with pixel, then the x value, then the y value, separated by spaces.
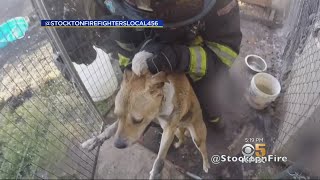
pixel 167 104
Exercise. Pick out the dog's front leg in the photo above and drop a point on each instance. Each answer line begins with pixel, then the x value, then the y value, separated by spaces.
pixel 92 143
pixel 166 141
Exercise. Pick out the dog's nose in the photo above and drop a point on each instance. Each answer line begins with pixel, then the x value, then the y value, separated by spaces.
pixel 120 143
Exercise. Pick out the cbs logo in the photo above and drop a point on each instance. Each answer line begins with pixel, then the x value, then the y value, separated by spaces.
pixel 259 150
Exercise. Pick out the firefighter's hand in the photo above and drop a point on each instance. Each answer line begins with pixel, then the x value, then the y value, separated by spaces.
pixel 139 62
pixel 154 57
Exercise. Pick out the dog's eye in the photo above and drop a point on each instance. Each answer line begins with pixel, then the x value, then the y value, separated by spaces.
pixel 136 121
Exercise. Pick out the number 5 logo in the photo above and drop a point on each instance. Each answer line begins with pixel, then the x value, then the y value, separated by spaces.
pixel 261 150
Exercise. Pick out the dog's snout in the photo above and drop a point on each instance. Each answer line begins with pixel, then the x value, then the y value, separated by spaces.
pixel 120 143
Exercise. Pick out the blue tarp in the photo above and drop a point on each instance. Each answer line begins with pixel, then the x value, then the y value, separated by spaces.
pixel 12 30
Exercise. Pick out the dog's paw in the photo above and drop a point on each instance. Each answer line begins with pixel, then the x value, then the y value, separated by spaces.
pixel 139 62
pixel 158 165
pixel 206 167
pixel 90 144
pixel 154 175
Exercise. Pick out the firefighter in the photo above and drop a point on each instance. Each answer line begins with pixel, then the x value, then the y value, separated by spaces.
pixel 201 38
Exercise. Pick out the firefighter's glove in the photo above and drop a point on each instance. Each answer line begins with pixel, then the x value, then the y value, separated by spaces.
pixel 155 57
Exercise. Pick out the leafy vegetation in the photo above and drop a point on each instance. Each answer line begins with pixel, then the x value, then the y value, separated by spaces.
pixel 36 135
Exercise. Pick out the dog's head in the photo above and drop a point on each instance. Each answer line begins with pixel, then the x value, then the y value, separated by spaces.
pixel 137 103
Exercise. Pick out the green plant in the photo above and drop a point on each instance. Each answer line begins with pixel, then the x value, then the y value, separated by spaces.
pixel 38 132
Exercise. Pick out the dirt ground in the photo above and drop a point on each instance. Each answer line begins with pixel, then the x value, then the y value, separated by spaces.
pixel 34 38
pixel 240 120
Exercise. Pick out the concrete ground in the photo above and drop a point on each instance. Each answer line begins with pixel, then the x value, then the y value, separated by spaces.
pixel 131 163
pixel 240 122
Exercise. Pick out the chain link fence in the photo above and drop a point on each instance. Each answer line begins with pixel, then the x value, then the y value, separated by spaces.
pixel 299 105
pixel 49 104
pixel 56 85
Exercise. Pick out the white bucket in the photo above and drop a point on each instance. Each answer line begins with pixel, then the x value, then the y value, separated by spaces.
pixel 98 77
pixel 264 89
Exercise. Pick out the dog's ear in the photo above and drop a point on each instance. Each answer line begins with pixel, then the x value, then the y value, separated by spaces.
pixel 157 81
pixel 127 75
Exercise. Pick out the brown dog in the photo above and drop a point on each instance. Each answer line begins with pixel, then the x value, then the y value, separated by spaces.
pixel 170 100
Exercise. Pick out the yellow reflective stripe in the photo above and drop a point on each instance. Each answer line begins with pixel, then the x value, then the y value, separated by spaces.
pixel 225 53
pixel 193 60
pixel 194 78
pixel 226 61
pixel 198 41
pixel 215 120
pixel 224 48
pixel 203 61
pixel 123 61
pixel 198 62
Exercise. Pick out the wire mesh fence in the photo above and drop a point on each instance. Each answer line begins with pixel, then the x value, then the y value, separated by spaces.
pixel 57 84
pixel 299 106
pixel 48 104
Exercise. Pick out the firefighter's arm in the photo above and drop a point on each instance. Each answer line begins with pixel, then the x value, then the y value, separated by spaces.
pixel 222 36
pixel 156 57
